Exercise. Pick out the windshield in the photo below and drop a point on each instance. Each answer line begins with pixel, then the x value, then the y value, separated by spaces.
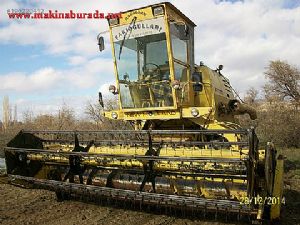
pixel 142 63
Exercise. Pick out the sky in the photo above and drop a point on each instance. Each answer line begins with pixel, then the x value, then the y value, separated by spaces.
pixel 46 63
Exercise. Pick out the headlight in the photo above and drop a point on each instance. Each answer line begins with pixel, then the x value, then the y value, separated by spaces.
pixel 194 112
pixel 158 10
pixel 114 115
pixel 113 21
pixel 112 89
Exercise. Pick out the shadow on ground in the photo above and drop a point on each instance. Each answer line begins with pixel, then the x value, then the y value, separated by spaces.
pixel 291 210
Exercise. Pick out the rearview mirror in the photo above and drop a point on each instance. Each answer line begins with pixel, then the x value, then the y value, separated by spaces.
pixel 100 42
pixel 100 99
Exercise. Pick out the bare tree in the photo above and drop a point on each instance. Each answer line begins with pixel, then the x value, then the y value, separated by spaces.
pixel 94 112
pixel 15 117
pixel 65 118
pixel 112 103
pixel 284 81
pixel 251 96
pixel 6 112
pixel 28 116
pixel 44 122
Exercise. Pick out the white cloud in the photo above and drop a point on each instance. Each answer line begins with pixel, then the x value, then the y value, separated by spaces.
pixel 243 36
pixel 76 60
pixel 40 80
pixel 89 75
pixel 60 35
pixel 104 89
pixel 7 5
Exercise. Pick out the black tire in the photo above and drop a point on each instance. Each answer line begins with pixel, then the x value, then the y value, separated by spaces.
pixel 62 196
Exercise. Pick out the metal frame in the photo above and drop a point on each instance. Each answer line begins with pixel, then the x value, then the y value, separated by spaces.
pixel 141 198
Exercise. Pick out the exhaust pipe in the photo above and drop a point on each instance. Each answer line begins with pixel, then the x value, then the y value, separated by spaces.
pixel 238 108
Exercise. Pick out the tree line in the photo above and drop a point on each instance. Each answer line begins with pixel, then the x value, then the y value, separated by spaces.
pixel 277 105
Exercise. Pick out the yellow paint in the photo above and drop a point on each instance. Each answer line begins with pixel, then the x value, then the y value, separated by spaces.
pixel 277 189
pixel 140 14
pixel 204 100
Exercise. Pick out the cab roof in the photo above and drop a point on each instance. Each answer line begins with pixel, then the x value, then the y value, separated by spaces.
pixel 170 5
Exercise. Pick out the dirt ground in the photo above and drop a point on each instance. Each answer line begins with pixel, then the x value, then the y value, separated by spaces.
pixel 32 206
pixel 26 206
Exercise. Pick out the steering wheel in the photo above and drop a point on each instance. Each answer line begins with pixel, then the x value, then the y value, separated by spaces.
pixel 151 71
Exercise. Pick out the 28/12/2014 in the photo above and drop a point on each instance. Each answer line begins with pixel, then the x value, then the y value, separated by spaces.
pixel 259 200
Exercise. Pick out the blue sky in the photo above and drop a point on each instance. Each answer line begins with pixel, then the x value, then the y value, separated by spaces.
pixel 19 58
pixel 45 63
pixel 289 4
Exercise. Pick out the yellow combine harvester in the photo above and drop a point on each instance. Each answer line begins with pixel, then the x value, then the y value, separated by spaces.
pixel 186 150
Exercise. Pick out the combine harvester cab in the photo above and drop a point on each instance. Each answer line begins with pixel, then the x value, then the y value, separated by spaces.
pixel 186 151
